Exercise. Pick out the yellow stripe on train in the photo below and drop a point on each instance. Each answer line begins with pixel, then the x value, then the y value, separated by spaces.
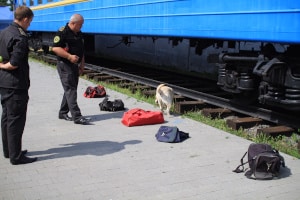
pixel 56 4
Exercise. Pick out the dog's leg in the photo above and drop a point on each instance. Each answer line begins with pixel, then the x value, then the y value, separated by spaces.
pixel 160 105
pixel 168 109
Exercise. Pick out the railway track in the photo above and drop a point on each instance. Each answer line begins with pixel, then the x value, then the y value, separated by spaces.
pixel 193 93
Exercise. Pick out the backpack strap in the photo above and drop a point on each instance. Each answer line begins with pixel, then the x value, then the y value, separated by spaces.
pixel 249 173
pixel 238 170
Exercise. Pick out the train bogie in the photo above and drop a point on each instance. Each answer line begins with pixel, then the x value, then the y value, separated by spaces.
pixel 272 77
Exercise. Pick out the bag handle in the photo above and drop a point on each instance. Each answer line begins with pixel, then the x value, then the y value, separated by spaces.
pixel 135 111
pixel 238 170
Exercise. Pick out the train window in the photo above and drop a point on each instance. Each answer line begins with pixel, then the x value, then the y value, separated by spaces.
pixel 40 1
pixel 31 3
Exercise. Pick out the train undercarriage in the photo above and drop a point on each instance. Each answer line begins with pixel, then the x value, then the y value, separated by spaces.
pixel 251 71
pixel 272 78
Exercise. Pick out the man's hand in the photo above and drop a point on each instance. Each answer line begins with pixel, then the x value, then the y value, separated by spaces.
pixel 7 66
pixel 73 58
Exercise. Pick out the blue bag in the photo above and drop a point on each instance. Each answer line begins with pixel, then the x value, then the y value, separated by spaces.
pixel 170 134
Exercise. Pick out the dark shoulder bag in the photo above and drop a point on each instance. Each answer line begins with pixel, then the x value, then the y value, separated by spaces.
pixel 264 162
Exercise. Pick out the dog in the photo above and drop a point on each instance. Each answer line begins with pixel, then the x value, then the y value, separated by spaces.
pixel 164 97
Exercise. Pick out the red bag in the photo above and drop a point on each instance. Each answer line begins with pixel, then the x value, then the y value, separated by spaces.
pixel 138 117
pixel 95 92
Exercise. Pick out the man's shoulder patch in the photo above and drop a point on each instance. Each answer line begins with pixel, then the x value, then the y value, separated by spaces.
pixel 56 39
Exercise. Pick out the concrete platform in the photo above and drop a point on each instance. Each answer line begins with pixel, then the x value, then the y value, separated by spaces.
pixel 109 161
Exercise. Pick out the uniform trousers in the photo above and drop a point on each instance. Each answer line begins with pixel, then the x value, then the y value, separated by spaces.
pixel 14 109
pixel 69 76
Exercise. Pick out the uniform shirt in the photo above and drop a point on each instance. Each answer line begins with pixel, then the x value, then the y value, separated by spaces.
pixel 14 49
pixel 70 41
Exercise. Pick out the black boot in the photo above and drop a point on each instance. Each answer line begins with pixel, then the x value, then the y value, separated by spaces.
pixel 23 160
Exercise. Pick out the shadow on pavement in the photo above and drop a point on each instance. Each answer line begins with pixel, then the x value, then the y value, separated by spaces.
pixel 96 148
pixel 106 116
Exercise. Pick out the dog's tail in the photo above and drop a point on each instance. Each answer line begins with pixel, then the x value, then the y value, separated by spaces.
pixel 169 94
pixel 159 86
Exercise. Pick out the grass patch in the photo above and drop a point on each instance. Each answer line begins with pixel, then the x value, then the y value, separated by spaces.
pixel 284 144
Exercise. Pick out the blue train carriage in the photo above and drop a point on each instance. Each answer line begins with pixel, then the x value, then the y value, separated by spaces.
pixel 251 48
pixel 268 20
pixel 6 17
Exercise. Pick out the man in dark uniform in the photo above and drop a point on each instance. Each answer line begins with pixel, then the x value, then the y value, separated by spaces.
pixel 69 47
pixel 14 85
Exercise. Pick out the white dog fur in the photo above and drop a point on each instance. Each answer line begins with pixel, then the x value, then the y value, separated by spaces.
pixel 164 97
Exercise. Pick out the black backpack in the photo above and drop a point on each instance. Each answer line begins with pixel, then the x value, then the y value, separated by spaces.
pixel 264 162
pixel 111 106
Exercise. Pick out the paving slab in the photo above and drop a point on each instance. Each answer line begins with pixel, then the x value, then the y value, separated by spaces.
pixel 109 161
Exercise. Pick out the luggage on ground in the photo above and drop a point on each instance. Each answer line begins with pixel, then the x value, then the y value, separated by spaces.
pixel 170 134
pixel 112 106
pixel 138 117
pixel 264 162
pixel 95 92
